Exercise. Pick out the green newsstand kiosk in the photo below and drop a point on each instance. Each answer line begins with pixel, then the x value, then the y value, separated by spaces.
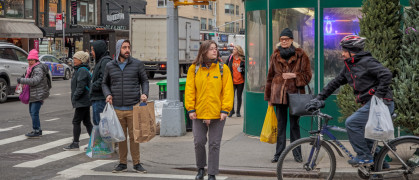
pixel 318 26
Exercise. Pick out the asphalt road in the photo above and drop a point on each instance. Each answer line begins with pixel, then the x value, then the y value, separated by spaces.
pixel 43 158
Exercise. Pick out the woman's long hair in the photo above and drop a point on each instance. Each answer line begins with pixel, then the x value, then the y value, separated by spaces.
pixel 240 52
pixel 203 50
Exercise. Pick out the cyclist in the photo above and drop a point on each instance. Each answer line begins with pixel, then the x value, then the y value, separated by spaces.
pixel 367 77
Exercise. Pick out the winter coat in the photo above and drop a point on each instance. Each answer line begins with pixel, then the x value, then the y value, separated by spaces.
pixel 276 88
pixel 208 93
pixel 102 58
pixel 365 75
pixel 229 63
pixel 80 87
pixel 125 86
pixel 38 82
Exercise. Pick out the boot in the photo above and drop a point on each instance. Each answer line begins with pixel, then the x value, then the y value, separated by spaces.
pixel 211 177
pixel 201 174
pixel 231 114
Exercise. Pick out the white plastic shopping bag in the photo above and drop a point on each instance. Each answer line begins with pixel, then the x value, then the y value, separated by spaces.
pixel 380 124
pixel 109 127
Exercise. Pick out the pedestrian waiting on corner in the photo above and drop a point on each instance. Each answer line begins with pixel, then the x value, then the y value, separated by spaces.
pixel 209 98
pixel 80 83
pixel 236 63
pixel 37 81
pixel 101 56
pixel 289 72
pixel 121 84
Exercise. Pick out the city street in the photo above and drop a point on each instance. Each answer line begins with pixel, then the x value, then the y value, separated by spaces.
pixel 44 158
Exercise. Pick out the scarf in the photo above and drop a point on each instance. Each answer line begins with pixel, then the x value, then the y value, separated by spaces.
pixel 29 69
pixel 287 53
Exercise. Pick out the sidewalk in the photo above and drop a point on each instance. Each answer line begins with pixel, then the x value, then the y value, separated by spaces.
pixel 240 154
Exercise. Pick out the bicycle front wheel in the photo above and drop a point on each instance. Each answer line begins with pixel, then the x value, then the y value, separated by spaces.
pixel 301 159
pixel 408 150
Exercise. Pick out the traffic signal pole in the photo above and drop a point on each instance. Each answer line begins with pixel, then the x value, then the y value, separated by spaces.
pixel 173 117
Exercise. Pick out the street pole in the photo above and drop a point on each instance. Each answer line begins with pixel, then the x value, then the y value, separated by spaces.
pixel 63 44
pixel 173 117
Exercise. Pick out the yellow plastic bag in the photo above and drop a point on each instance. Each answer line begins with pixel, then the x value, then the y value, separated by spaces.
pixel 269 130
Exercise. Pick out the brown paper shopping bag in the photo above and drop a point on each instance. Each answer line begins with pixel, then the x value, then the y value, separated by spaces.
pixel 144 122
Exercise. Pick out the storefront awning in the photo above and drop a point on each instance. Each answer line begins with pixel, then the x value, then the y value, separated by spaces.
pixel 19 29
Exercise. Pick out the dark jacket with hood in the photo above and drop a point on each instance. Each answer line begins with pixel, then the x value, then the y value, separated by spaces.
pixel 276 87
pixel 365 75
pixel 125 86
pixel 80 86
pixel 229 63
pixel 102 58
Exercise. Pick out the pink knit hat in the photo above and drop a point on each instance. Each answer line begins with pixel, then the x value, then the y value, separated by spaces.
pixel 33 54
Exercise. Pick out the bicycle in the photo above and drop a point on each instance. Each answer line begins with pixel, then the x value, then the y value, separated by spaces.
pixel 313 157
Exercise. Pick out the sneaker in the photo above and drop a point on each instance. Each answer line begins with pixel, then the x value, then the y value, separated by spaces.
pixel 74 146
pixel 120 168
pixel 34 134
pixel 355 162
pixel 139 168
pixel 231 114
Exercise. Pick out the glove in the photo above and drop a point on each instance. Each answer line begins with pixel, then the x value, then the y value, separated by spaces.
pixel 314 104
pixel 18 80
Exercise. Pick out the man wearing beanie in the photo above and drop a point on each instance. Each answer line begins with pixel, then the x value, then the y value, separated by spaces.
pixel 80 84
pixel 101 57
pixel 124 84
pixel 36 81
pixel 289 72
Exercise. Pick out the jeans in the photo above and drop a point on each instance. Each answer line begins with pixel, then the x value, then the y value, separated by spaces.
pixel 82 114
pixel 97 106
pixel 34 108
pixel 355 125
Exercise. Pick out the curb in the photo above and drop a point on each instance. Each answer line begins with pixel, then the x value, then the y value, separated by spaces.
pixel 343 173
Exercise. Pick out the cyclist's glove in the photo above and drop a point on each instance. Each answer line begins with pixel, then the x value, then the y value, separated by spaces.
pixel 314 104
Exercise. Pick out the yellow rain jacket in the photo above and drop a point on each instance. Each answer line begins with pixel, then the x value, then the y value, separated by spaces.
pixel 208 93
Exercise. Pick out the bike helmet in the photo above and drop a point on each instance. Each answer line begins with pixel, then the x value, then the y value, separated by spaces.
pixel 353 43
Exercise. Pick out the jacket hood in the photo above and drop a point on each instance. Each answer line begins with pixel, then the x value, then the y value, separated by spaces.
pixel 118 48
pixel 100 49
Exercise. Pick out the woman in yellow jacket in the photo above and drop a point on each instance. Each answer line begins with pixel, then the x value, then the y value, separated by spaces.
pixel 208 98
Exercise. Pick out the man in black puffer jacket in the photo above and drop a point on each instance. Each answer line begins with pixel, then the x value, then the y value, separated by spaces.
pixel 368 77
pixel 101 57
pixel 121 86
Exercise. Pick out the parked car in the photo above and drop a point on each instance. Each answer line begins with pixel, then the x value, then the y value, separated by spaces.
pixel 58 68
pixel 13 64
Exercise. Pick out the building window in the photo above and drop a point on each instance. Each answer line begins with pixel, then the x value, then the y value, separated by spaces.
pixel 12 9
pixel 129 9
pixel 229 8
pixel 86 12
pixel 196 17
pixel 161 3
pixel 210 26
pixel 53 9
pixel 203 23
pixel 195 6
pixel 28 9
pixel 210 5
pixel 237 27
pixel 107 8
pixel 203 7
pixel 229 27
pixel 237 10
pixel 122 8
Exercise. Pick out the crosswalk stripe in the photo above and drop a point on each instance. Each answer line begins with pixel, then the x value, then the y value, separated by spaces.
pixel 10 128
pixel 50 158
pixel 86 169
pixel 53 119
pixel 21 138
pixel 50 145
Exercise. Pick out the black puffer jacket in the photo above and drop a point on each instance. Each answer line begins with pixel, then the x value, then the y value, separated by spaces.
pixel 365 75
pixel 124 86
pixel 102 58
pixel 80 86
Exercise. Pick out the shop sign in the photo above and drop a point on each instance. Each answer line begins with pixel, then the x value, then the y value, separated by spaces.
pixel 91 8
pixel 59 22
pixel 73 12
pixel 116 27
pixel 36 44
pixel 115 17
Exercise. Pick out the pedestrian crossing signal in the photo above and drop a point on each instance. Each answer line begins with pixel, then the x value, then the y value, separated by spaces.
pixel 191 2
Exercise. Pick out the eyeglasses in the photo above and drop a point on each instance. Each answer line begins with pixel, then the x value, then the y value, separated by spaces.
pixel 285 39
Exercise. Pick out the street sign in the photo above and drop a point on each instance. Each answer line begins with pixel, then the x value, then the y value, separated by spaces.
pixel 59 22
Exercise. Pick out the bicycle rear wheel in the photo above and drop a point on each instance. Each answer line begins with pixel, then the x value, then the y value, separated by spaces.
pixel 290 168
pixel 408 150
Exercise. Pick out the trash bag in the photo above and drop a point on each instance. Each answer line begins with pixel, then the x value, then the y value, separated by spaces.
pixel 380 124
pixel 109 127
pixel 98 148
pixel 269 130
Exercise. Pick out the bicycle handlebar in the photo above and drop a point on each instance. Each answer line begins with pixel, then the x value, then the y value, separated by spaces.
pixel 322 115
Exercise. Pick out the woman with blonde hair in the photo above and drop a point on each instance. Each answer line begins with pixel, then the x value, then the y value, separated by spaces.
pixel 208 99
pixel 236 63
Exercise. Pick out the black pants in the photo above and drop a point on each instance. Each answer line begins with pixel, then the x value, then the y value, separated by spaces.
pixel 239 88
pixel 81 114
pixel 281 115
